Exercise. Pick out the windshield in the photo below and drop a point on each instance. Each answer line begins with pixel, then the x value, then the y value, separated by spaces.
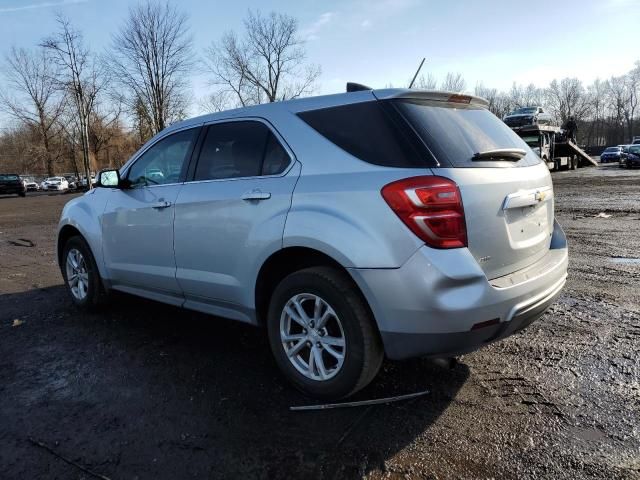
pixel 612 149
pixel 532 140
pixel 6 177
pixel 524 111
pixel 635 149
pixel 454 135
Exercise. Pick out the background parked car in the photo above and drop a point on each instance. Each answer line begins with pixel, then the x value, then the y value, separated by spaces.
pixel 632 157
pixel 55 183
pixel 73 182
pixel 83 181
pixel 528 116
pixel 611 154
pixel 11 183
pixel 623 155
pixel 30 184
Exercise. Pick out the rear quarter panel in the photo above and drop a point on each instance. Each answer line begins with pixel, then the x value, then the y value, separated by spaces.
pixel 337 207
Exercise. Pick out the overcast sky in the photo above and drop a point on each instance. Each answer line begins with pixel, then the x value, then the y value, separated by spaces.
pixel 381 42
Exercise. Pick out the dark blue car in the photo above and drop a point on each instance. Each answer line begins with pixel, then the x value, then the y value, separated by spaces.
pixel 632 157
pixel 611 154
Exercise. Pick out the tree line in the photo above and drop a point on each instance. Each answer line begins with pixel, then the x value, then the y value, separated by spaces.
pixel 78 110
pixel 606 111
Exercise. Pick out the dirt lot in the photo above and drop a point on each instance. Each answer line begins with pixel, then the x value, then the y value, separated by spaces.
pixel 149 391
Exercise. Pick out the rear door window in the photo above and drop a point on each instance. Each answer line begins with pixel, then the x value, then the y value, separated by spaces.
pixel 240 149
pixel 276 158
pixel 371 132
pixel 454 134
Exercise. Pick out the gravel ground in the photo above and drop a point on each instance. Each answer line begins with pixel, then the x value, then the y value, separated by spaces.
pixel 144 390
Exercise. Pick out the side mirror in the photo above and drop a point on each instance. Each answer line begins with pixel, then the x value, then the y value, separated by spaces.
pixel 108 179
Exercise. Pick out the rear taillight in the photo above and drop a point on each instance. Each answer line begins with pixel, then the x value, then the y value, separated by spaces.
pixel 431 207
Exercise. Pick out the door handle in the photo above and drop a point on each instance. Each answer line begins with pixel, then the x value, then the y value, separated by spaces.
pixel 162 204
pixel 256 195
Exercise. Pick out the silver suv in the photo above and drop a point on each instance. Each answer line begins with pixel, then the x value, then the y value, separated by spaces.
pixel 395 223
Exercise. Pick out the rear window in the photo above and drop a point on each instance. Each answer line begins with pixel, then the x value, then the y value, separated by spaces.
pixel 612 149
pixel 8 177
pixel 454 134
pixel 370 131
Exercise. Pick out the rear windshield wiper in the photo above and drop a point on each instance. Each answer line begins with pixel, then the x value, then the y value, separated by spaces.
pixel 509 154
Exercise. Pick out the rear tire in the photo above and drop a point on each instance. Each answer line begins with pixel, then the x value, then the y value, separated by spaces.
pixel 294 343
pixel 23 194
pixel 81 275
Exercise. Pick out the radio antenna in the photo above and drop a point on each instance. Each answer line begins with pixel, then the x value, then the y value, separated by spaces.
pixel 417 72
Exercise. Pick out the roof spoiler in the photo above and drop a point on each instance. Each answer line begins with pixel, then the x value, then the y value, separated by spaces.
pixel 432 95
pixel 356 87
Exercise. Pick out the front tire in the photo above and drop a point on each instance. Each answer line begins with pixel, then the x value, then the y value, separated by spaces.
pixel 81 276
pixel 322 334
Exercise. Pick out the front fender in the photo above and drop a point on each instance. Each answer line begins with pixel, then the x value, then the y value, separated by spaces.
pixel 84 213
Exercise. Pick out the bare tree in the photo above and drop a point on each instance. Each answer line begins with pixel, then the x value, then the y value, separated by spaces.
pixel 597 93
pixel 38 103
pixel 151 57
pixel 568 98
pixel 79 76
pixel 104 125
pixel 266 65
pixel 532 95
pixel 616 95
pixel 427 82
pixel 632 92
pixel 453 82
pixel 142 123
pixel 499 104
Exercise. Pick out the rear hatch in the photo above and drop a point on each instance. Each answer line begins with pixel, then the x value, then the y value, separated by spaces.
pixel 506 190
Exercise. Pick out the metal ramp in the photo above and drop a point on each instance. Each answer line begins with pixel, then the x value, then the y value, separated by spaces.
pixel 567 148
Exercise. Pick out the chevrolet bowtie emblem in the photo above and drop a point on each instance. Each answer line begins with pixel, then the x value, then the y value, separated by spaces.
pixel 540 196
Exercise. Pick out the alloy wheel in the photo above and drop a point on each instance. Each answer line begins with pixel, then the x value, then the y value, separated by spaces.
pixel 312 337
pixel 77 274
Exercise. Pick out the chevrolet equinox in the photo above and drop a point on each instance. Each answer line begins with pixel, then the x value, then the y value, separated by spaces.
pixel 397 223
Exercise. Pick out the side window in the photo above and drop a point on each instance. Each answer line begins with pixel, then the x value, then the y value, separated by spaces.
pixel 367 132
pixel 240 149
pixel 165 161
pixel 276 158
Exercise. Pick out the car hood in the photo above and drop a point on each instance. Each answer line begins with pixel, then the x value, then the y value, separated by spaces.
pixel 520 115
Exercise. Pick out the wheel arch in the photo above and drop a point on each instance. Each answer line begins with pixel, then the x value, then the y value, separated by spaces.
pixel 70 230
pixel 65 233
pixel 286 261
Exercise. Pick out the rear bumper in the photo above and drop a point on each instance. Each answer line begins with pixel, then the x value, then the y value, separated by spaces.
pixel 430 305
pixel 406 345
